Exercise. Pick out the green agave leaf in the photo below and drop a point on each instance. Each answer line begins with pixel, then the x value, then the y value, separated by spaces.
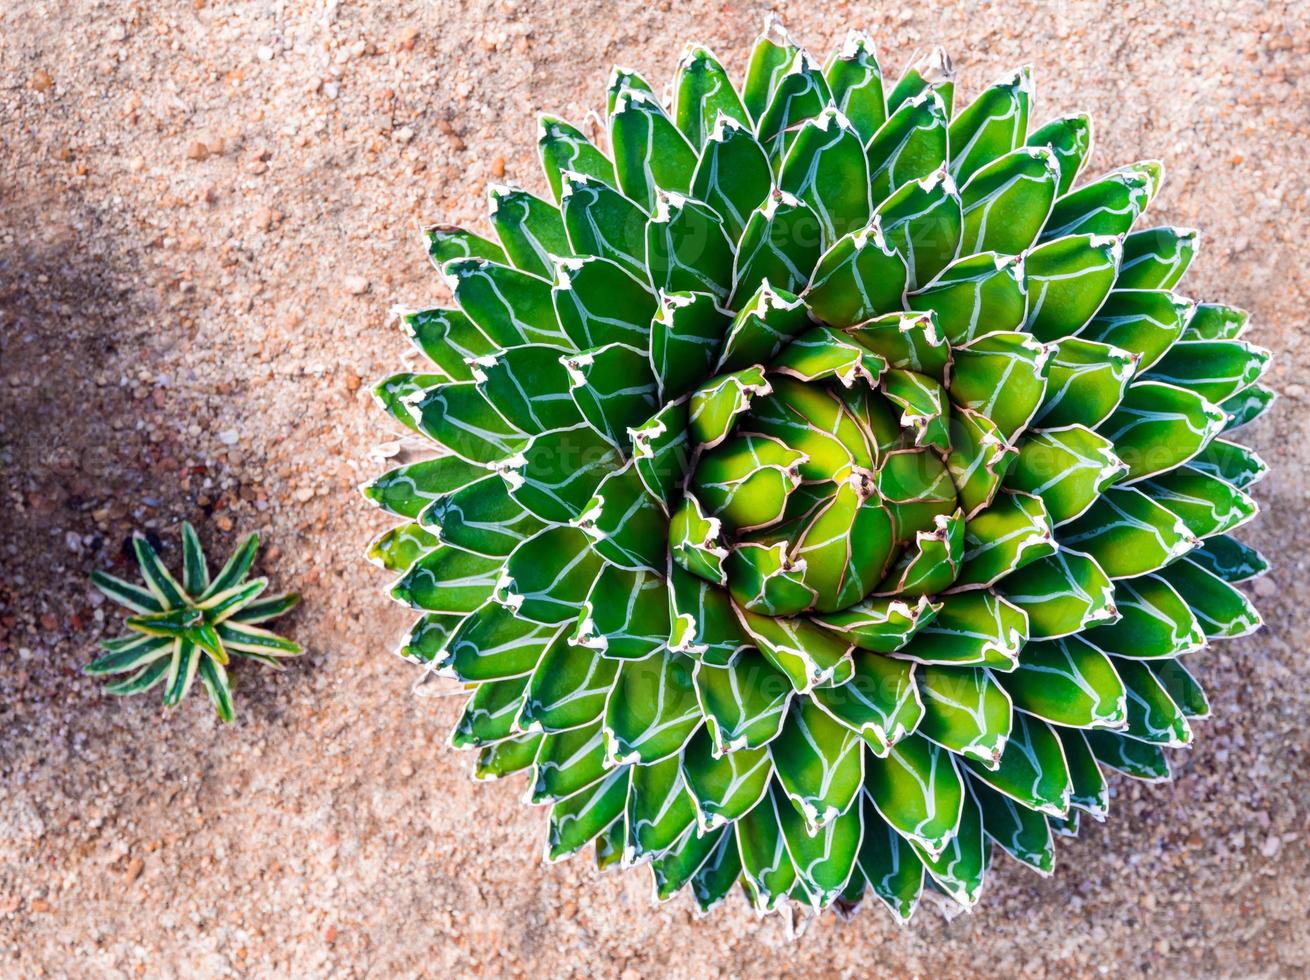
pixel 447 338
pixel 733 176
pixel 1159 426
pixel 447 242
pixel 1001 376
pixel 973 295
pixel 924 223
pixel 1128 533
pixel 482 518
pixel 215 680
pixel 1107 206
pixel 859 277
pixel 395 392
pixel 964 710
pixel 259 644
pixel 992 125
pixel 182 670
pixel 1211 321
pixel 490 714
pixel 426 640
pixel 624 80
pixel 1138 759
pixel 448 580
pixel 613 387
pixel 925 407
pixel 1068 468
pixel 1214 369
pixel 779 247
pixel 744 702
pixel 138 651
pixel 696 541
pixel 765 580
pixel 702 93
pixel 1006 203
pixel 600 303
pixel 1067 682
pixel 979 459
pixel 1231 463
pixel 1154 622
pixel 931 563
pixel 625 523
pixel 916 487
pixel 889 864
pixel 1022 833
pixel 932 71
pixel 716 405
pixel 918 791
pixel 530 229
pixel 826 168
pixel 910 341
pixel 809 655
pixel 149 676
pixel 528 386
pixel 400 547
pixel 406 490
pixel 1014 531
pixel 508 756
pixel 1063 594
pixel 800 94
pixel 761 328
pixel 773 52
pixel 1090 792
pixel 1247 405
pixel 880 702
pixel 1156 258
pixel 1182 687
pixel 1152 715
pixel 855 79
pixel 975 628
pixel 1032 769
pixel 824 858
pixel 574 822
pixel 650 153
pixel 1205 503
pixel 601 222
pixel 511 307
pixel 881 625
pixel 548 577
pixel 724 786
pixel 819 763
pixel 556 476
pixel 910 145
pixel 567 762
pixel 134 597
pixel 626 614
pixel 704 623
pixel 1086 381
pixel 1229 559
pixel 652 710
pixel 567 689
pixel 232 573
pixel 1143 322
pixel 1067 279
pixel 845 545
pixel 688 248
pixel 459 417
pixel 195 572
pixel 767 871
pixel 609 845
pixel 719 872
pixel 659 810
pixel 960 867
pixel 1070 140
pixel 676 866
pixel 822 353
pixel 746 480
pixel 494 644
pixel 660 451
pixel 1221 610
pixel 564 149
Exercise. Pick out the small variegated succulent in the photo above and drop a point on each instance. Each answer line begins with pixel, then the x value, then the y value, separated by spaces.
pixel 825 486
pixel 189 629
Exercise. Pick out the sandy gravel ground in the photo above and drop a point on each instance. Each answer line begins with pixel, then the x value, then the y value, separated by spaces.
pixel 206 211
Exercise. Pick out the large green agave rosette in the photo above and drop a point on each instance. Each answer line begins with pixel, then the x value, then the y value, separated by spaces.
pixel 826 489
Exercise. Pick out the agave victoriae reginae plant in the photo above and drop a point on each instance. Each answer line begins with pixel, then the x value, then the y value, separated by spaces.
pixel 827 487
pixel 189 629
